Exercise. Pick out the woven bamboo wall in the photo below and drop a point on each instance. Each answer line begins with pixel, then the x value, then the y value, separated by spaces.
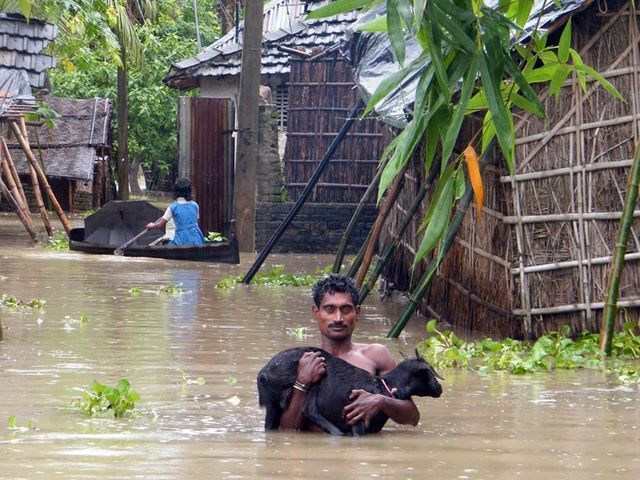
pixel 540 255
pixel 321 96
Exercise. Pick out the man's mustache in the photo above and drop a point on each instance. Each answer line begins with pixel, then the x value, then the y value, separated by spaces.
pixel 336 324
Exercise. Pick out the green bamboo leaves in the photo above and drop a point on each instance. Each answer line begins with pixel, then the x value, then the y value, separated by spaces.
pixel 470 63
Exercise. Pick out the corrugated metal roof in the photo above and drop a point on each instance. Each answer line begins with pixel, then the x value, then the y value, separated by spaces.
pixel 16 98
pixel 284 25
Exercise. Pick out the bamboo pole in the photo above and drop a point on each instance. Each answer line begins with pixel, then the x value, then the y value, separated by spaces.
pixel 41 176
pixel 456 221
pixel 391 198
pixel 305 194
pixel 613 287
pixel 395 241
pixel 36 189
pixel 23 217
pixel 357 260
pixel 342 248
pixel 12 187
pixel 15 178
pixel 420 290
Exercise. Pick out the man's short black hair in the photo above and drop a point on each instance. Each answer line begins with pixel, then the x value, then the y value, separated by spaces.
pixel 335 283
pixel 182 188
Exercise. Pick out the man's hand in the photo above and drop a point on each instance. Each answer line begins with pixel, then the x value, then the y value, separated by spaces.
pixel 363 406
pixel 311 368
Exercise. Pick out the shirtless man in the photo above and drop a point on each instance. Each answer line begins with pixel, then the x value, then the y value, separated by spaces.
pixel 336 310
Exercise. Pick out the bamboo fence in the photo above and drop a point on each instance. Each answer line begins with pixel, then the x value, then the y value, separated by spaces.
pixel 540 255
pixel 321 95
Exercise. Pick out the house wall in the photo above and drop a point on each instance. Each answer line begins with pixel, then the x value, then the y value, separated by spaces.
pixel 317 228
pixel 219 88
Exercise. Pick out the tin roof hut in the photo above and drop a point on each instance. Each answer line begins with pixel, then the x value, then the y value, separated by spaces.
pixel 541 253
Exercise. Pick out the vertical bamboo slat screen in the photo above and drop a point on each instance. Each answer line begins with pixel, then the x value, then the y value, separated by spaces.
pixel 540 255
pixel 321 95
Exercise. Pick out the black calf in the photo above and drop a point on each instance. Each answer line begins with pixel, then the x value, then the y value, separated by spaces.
pixel 327 398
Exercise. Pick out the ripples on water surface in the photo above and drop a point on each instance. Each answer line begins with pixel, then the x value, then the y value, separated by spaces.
pixel 575 425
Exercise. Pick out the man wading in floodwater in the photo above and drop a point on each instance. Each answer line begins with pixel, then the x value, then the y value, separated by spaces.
pixel 336 310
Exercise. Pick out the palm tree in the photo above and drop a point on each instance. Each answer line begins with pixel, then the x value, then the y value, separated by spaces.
pixel 128 14
pixel 119 20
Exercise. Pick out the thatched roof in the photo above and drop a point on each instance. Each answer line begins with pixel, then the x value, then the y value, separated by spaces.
pixel 70 148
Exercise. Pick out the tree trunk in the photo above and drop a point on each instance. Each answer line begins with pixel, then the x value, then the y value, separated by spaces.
pixel 123 126
pixel 133 176
pixel 226 15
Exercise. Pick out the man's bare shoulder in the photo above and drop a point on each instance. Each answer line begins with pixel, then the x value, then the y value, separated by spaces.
pixel 379 355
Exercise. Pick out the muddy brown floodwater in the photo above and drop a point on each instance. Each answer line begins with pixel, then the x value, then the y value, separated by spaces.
pixel 578 425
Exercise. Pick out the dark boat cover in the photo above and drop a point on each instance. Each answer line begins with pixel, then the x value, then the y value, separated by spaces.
pixel 120 221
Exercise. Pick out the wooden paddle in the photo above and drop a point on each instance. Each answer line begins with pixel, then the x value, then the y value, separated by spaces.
pixel 120 250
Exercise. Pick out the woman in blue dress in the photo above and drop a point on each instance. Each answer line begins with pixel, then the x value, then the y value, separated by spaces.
pixel 185 213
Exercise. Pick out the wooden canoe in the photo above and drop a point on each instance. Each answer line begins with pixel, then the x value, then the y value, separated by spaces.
pixel 222 252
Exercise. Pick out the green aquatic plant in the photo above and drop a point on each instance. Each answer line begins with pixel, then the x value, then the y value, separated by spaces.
pixel 12 424
pixel 3 278
pixel 59 241
pixel 214 237
pixel 135 291
pixel 230 380
pixel 277 277
pixel 100 398
pixel 299 333
pixel 187 380
pixel 10 301
pixel 555 350
pixel 173 289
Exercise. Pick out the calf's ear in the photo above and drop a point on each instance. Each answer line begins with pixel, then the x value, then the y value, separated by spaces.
pixel 404 355
pixel 418 356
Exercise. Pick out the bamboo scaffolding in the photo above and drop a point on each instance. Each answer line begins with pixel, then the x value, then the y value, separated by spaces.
pixel 36 189
pixel 13 173
pixel 17 201
pixel 41 176
pixel 565 217
pixel 24 218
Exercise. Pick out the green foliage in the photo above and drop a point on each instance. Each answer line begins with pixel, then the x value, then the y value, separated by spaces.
pixel 135 291
pixel 214 237
pixel 555 350
pixel 88 53
pixel 468 64
pixel 10 301
pixel 187 380
pixel 100 398
pixel 299 333
pixel 276 277
pixel 59 241
pixel 173 289
pixel 230 380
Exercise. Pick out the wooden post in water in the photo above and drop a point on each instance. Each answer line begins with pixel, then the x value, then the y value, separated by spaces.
pixel 12 186
pixel 36 189
pixel 12 174
pixel 25 218
pixel 41 176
